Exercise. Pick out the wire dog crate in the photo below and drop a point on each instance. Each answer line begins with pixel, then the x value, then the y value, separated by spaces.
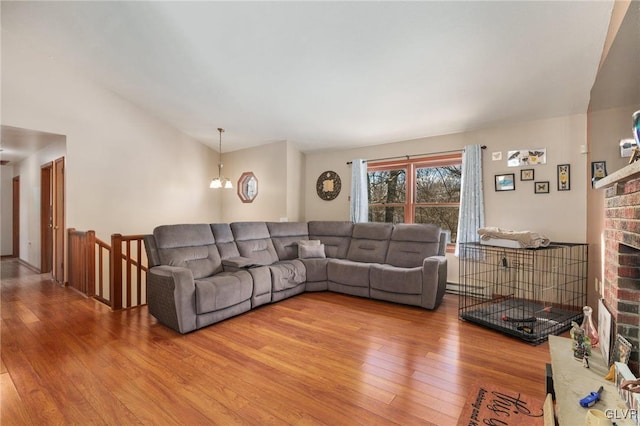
pixel 526 293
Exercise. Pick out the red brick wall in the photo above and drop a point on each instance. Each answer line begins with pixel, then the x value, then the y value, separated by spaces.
pixel 622 261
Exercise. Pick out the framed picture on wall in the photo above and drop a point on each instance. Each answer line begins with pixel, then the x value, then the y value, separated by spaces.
pixel 541 187
pixel 564 177
pixel 527 174
pixel 598 171
pixel 505 182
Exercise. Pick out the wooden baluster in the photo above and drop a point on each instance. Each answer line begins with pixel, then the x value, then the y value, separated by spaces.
pixel 139 273
pixel 91 264
pixel 71 256
pixel 100 274
pixel 115 279
pixel 128 280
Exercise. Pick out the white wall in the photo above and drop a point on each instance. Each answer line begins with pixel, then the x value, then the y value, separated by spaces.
pixel 278 167
pixel 295 183
pixel 6 212
pixel 269 164
pixel 126 171
pixel 559 215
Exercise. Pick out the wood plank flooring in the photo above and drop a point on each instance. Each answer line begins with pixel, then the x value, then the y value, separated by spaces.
pixel 317 358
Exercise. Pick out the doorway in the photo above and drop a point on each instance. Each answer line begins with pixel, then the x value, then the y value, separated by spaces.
pixel 46 222
pixel 52 219
pixel 16 217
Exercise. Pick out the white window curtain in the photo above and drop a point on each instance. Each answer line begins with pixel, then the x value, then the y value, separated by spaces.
pixel 359 191
pixel 471 197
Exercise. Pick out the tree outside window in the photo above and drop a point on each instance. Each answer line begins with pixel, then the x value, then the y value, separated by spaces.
pixel 421 190
pixel 387 195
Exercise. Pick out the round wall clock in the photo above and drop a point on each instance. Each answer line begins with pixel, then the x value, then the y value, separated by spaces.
pixel 328 185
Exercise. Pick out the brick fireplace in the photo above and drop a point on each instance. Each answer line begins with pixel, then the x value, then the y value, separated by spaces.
pixel 621 284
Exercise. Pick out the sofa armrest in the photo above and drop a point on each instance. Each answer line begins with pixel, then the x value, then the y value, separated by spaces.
pixel 171 297
pixel 434 274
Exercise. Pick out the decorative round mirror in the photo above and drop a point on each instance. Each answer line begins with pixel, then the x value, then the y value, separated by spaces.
pixel 247 187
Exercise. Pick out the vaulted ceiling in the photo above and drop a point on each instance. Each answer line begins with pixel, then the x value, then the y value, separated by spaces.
pixel 327 75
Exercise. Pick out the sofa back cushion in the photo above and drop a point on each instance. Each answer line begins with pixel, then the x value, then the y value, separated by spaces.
pixel 224 240
pixel 285 237
pixel 153 259
pixel 335 235
pixel 369 242
pixel 189 246
pixel 411 243
pixel 254 242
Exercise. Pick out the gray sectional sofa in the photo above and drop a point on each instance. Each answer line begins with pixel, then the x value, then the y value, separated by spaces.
pixel 200 274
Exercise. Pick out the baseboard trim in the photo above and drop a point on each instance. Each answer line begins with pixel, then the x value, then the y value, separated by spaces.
pixel 30 266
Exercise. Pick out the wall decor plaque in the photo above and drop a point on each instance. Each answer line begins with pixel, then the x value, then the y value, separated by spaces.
pixel 328 185
pixel 247 187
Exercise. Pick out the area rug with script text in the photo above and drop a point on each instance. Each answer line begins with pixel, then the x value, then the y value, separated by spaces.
pixel 493 404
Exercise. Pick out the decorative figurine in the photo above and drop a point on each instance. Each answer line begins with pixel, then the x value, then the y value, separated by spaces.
pixel 589 328
pixel 581 344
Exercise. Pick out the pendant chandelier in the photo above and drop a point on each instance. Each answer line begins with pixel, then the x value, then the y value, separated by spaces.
pixel 220 182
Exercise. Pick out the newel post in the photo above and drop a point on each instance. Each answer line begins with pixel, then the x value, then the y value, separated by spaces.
pixel 115 265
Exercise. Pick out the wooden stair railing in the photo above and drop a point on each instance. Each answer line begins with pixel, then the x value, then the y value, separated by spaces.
pixel 127 272
pixel 81 261
pixel 120 264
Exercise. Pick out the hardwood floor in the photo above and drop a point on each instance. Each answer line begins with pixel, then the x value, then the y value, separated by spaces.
pixel 317 358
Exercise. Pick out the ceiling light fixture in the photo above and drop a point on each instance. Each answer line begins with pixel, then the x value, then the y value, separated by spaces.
pixel 220 182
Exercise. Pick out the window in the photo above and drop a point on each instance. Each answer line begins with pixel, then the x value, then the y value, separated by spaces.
pixel 420 190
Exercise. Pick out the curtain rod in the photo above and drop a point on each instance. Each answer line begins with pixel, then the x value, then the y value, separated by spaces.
pixel 415 155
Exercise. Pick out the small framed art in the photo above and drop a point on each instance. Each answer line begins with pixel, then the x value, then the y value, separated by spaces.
pixel 621 350
pixel 527 174
pixel 541 187
pixel 506 182
pixel 598 171
pixel 564 177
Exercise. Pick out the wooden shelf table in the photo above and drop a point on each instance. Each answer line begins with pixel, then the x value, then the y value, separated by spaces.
pixel 572 382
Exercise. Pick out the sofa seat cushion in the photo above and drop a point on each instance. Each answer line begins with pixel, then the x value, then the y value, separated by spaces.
pixel 222 291
pixel 316 269
pixel 287 274
pixel 347 272
pixel 392 279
